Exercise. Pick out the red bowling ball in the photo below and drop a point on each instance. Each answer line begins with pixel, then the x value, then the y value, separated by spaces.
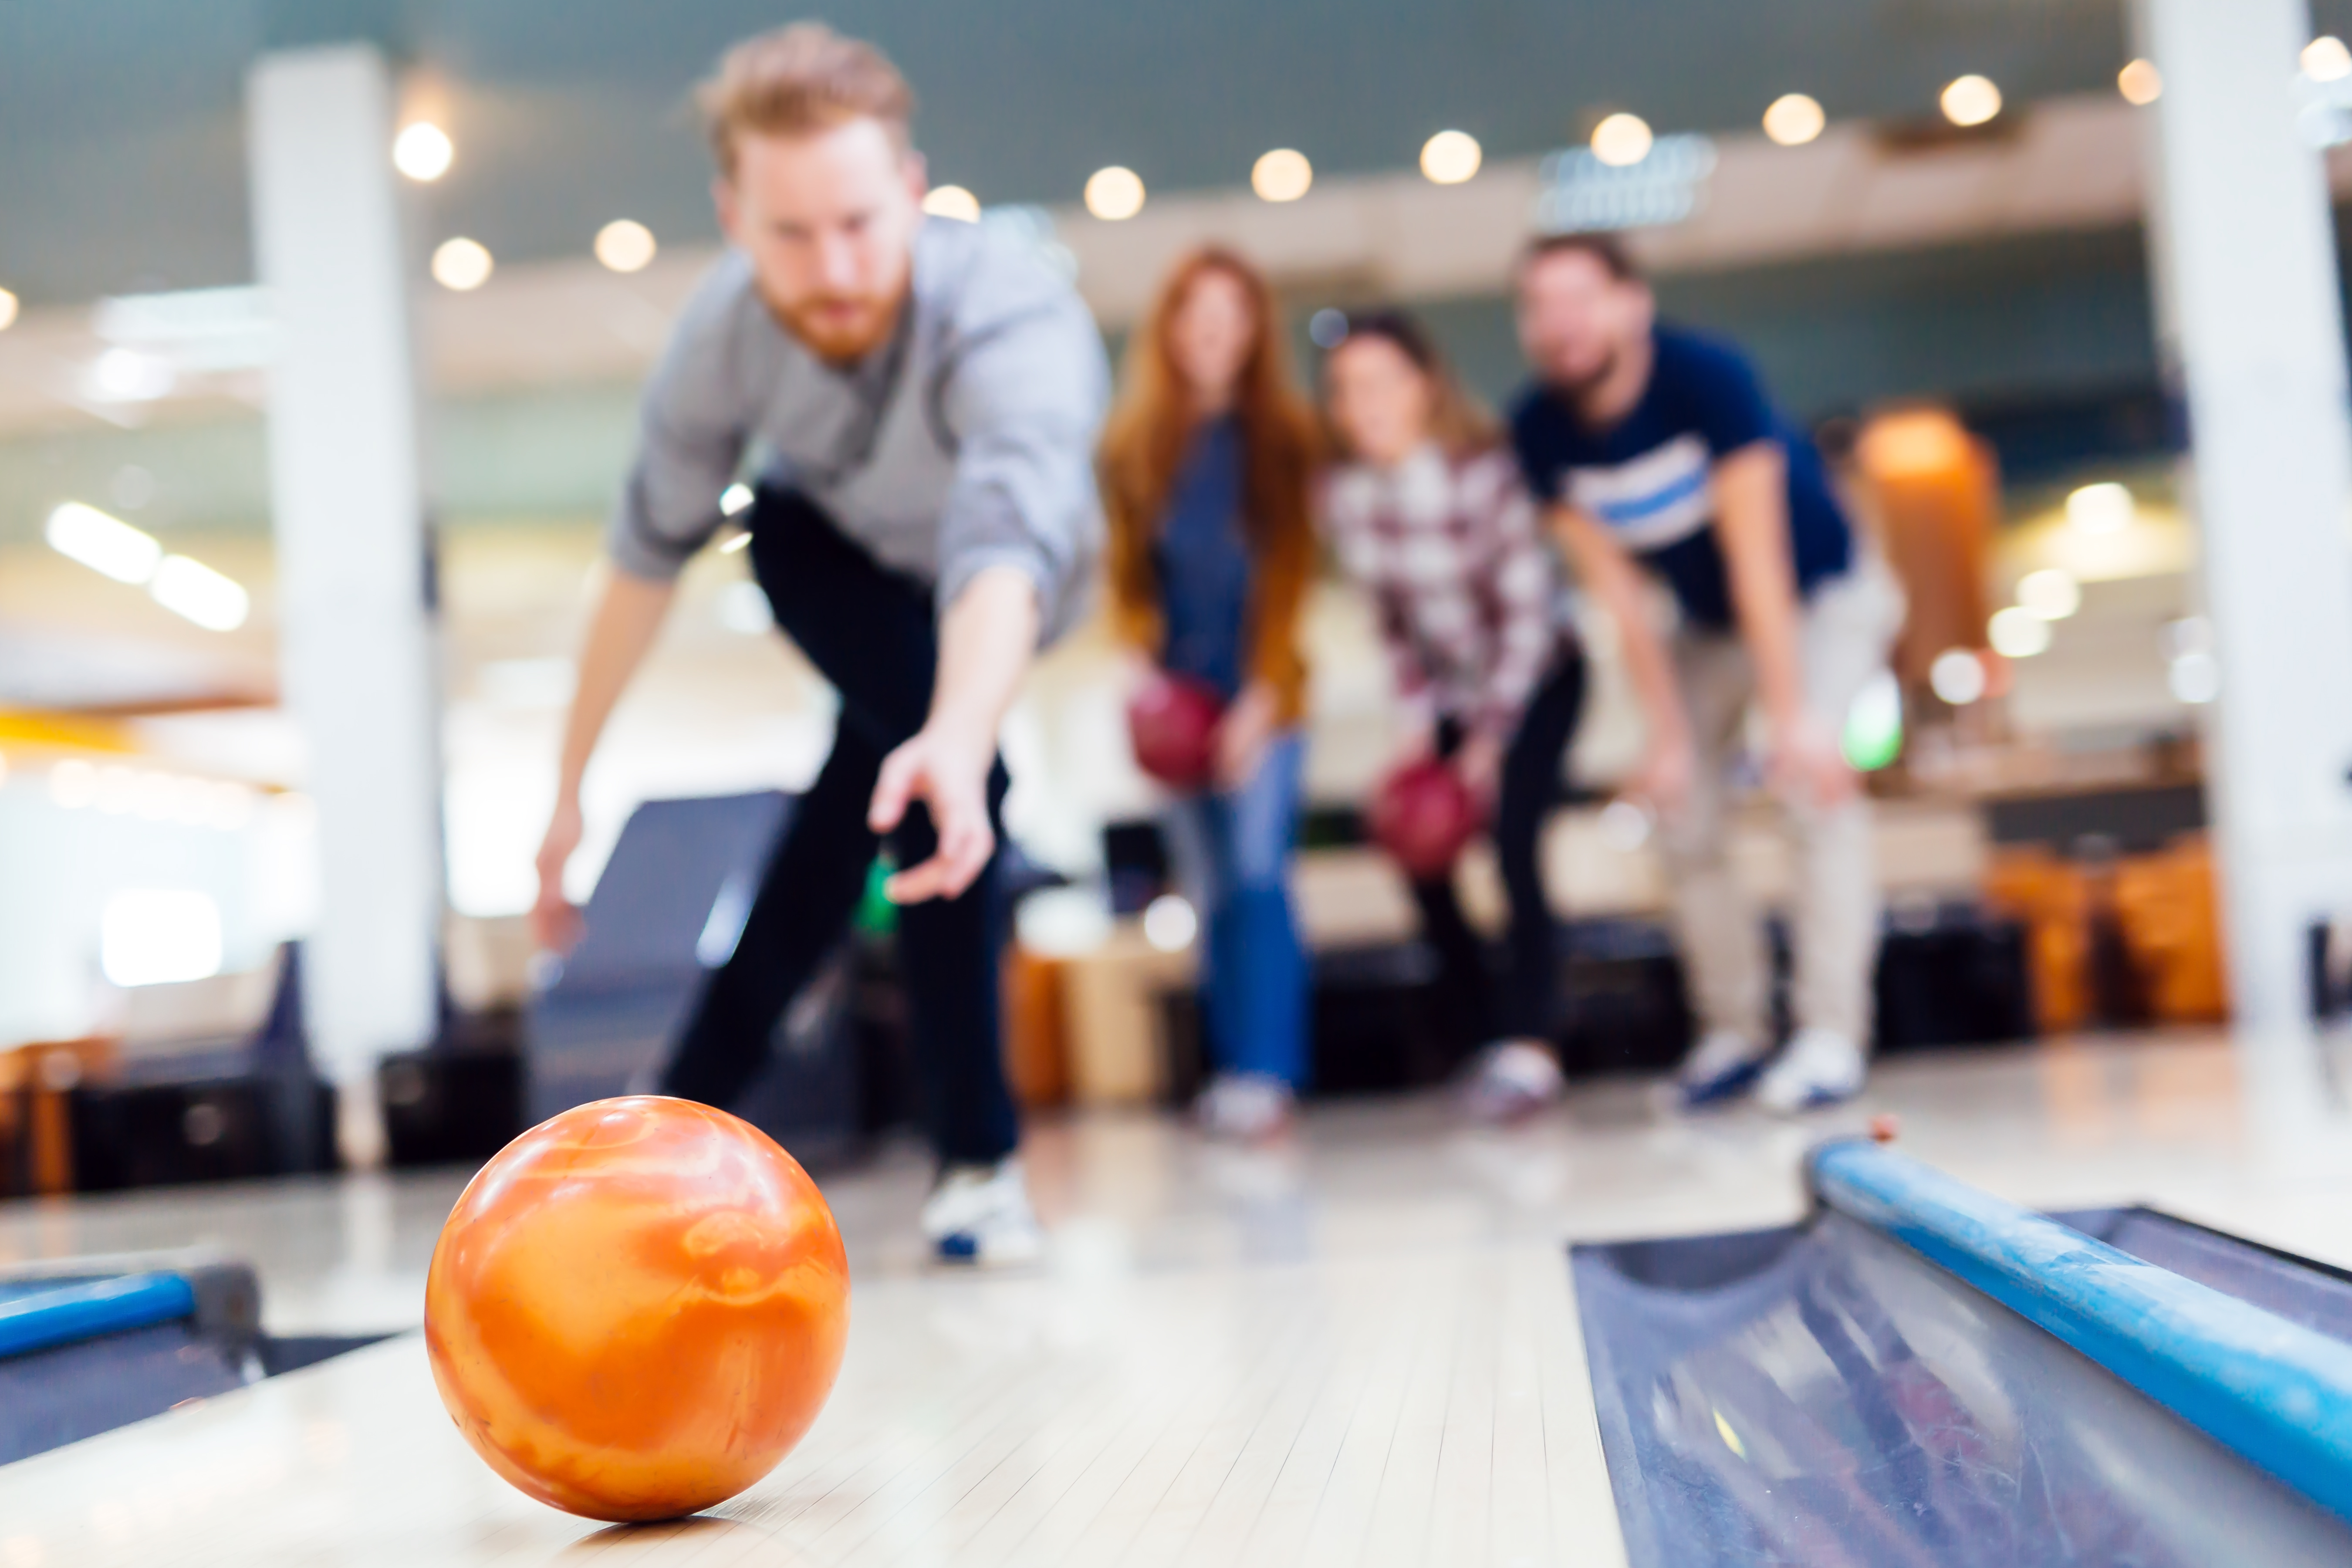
pixel 1172 720
pixel 1423 815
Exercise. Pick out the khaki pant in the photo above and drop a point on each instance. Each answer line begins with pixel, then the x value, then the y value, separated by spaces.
pixel 1844 631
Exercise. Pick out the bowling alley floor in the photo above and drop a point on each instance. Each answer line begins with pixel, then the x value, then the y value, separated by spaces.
pixel 1362 1348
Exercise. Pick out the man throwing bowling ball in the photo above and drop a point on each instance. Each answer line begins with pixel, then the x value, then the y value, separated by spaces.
pixel 925 394
pixel 1661 459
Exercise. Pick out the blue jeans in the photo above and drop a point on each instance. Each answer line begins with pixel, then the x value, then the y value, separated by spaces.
pixel 1232 853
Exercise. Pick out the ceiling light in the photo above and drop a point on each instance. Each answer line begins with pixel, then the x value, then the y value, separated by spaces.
pixel 157 937
pixel 734 498
pixel 2195 677
pixel 2018 633
pixel 1281 176
pixel 2326 59
pixel 191 331
pixel 103 543
pixel 1622 140
pixel 953 201
pixel 626 245
pixel 2103 507
pixel 1451 157
pixel 7 310
pixel 195 590
pixel 1958 676
pixel 1794 119
pixel 422 150
pixel 1114 194
pixel 1970 100
pixel 462 264
pixel 2050 593
pixel 126 375
pixel 2140 82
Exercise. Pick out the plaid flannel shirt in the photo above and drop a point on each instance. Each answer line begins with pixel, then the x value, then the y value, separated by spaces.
pixel 1468 591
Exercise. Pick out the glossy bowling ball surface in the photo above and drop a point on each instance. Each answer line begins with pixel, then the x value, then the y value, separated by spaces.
pixel 1172 720
pixel 638 1307
pixel 1423 816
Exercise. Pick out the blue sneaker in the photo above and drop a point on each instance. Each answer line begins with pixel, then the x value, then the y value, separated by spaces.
pixel 1719 1067
pixel 1820 1068
pixel 1512 1079
pixel 979 1215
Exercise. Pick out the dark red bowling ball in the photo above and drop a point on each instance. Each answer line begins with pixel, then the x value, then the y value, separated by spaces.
pixel 1172 720
pixel 1423 815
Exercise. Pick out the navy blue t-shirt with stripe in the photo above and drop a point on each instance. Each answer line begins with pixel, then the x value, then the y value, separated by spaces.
pixel 1646 477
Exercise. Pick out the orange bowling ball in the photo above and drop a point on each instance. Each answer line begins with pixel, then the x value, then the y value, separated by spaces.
pixel 638 1307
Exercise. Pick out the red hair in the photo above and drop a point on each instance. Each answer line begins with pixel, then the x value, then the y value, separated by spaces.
pixel 1144 442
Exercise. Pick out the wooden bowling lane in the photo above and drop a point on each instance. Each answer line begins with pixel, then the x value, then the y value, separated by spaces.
pixel 1431 1408
pixel 1363 1352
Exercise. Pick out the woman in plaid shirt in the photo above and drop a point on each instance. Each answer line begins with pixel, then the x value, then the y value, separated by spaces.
pixel 1427 513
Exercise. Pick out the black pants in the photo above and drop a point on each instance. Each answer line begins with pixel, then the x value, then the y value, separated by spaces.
pixel 1524 1004
pixel 870 631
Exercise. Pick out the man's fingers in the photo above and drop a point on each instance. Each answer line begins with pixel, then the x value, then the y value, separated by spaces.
pixel 893 788
pixel 555 926
pixel 964 851
pixel 914 884
pixel 962 854
pixel 936 878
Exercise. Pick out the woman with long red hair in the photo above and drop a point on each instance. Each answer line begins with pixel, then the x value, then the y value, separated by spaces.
pixel 1207 464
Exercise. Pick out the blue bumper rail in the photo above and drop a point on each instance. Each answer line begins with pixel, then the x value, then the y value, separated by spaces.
pixel 84 1311
pixel 2276 1393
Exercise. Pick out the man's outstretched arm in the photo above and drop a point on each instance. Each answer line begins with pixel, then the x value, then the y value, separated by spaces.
pixel 1751 526
pixel 986 638
pixel 628 616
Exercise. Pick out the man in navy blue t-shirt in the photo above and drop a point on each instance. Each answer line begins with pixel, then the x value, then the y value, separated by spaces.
pixel 1661 459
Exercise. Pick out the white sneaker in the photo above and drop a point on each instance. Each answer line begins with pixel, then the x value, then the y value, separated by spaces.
pixel 1511 1080
pixel 1820 1068
pixel 981 1215
pixel 1720 1065
pixel 1244 1107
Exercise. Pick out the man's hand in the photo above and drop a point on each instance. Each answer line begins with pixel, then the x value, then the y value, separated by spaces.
pixel 949 773
pixel 628 614
pixel 1663 782
pixel 1243 734
pixel 1478 762
pixel 1416 739
pixel 1806 766
pixel 985 639
pixel 554 922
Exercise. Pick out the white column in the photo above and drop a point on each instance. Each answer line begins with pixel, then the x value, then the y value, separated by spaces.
pixel 2253 339
pixel 355 635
